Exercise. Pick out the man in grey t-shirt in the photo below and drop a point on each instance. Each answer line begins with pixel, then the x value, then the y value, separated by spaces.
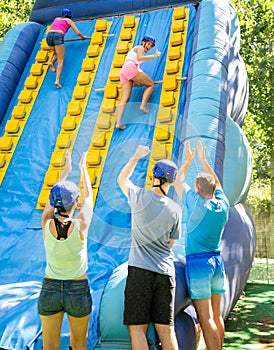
pixel 156 223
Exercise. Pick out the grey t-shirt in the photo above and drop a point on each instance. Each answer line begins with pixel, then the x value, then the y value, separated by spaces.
pixel 155 220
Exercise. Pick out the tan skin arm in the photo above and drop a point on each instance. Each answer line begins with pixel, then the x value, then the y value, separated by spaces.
pixel 142 151
pixel 75 29
pixel 86 210
pixel 48 212
pixel 140 53
pixel 207 168
pixel 180 180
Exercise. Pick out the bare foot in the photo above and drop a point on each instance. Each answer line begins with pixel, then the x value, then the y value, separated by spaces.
pixel 51 67
pixel 144 109
pixel 120 127
pixel 58 85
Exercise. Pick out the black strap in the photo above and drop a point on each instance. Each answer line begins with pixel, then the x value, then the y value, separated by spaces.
pixel 162 181
pixel 62 228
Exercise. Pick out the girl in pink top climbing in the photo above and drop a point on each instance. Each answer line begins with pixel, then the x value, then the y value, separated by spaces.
pixel 55 40
pixel 131 74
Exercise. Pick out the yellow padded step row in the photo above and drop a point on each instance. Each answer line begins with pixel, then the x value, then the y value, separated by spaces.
pixel 20 113
pixel 166 119
pixel 105 122
pixel 76 108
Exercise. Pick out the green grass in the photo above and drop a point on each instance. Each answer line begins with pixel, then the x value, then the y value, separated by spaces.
pixel 251 323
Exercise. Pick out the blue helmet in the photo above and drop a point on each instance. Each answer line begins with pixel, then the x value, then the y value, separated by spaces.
pixel 149 38
pixel 64 194
pixel 66 13
pixel 165 168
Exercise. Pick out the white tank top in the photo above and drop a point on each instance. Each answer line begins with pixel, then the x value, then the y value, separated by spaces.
pixel 132 56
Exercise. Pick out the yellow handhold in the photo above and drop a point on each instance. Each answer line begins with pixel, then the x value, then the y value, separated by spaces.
pixel 111 91
pixel 179 13
pixel 25 96
pixel 165 115
pixel 122 47
pixel 108 105
pixel 170 83
pixel 174 53
pixel 162 133
pixel 172 67
pixel 97 38
pixel 92 176
pixel 63 141
pixel 88 64
pixel 93 158
pixel 126 34
pixel 103 122
pixel 42 56
pixel 167 98
pixel 37 69
pixel 79 92
pixel 178 26
pixel 31 82
pixel 69 123
pixel 84 78
pixel 101 25
pixel 176 39
pixel 6 144
pixel 114 74
pixel 18 112
pixel 12 126
pixel 129 22
pixel 93 51
pixel 158 152
pixel 119 60
pixel 44 45
pixel 58 159
pixel 51 177
pixel 74 108
pixel 99 140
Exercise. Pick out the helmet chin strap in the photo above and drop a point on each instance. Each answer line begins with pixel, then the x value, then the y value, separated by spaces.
pixel 162 181
pixel 59 213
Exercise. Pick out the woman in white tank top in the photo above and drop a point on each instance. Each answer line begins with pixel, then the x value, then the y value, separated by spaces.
pixel 131 75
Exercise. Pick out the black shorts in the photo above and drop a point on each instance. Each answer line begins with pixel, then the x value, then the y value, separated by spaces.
pixel 149 297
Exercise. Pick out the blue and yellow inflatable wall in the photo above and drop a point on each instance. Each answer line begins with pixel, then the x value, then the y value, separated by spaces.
pixel 202 95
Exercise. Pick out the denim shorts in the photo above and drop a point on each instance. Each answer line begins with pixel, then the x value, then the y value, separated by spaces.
pixel 71 296
pixel 55 39
pixel 149 297
pixel 205 275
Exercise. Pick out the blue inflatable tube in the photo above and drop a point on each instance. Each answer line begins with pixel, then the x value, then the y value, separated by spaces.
pixel 15 50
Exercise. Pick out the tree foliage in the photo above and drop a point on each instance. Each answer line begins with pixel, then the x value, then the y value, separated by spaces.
pixel 13 12
pixel 256 22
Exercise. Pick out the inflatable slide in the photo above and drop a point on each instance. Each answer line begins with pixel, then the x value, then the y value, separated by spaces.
pixel 201 94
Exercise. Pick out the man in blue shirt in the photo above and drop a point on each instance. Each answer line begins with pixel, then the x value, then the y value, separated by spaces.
pixel 156 223
pixel 207 213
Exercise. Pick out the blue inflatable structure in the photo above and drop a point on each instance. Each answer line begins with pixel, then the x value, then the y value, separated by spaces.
pixel 207 101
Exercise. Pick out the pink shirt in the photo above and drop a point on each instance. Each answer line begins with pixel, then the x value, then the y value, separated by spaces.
pixel 60 24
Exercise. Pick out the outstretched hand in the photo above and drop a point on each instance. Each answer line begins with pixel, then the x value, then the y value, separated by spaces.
pixel 189 153
pixel 142 151
pixel 157 54
pixel 200 151
pixel 68 162
pixel 83 160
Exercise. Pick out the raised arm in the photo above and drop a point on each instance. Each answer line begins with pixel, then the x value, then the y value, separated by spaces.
pixel 142 151
pixel 86 210
pixel 141 57
pixel 48 212
pixel 207 168
pixel 180 180
pixel 75 29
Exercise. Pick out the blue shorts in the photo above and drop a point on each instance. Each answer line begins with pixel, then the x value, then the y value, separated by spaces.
pixel 149 297
pixel 55 39
pixel 205 275
pixel 71 296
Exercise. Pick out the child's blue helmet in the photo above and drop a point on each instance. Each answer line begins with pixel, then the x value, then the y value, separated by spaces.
pixel 165 168
pixel 64 194
pixel 66 13
pixel 149 38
